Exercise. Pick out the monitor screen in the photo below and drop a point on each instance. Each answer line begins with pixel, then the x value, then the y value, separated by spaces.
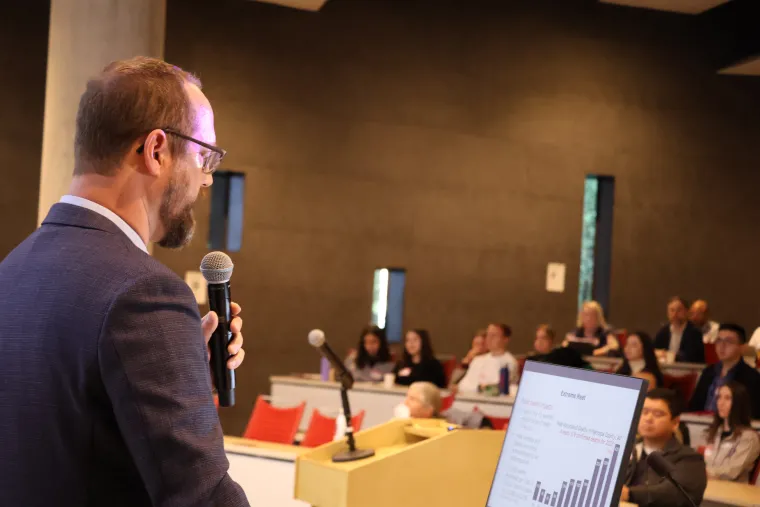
pixel 569 438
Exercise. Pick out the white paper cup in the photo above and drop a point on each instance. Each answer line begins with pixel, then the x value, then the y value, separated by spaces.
pixel 389 380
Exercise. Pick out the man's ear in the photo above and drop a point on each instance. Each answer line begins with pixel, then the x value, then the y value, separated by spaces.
pixel 155 152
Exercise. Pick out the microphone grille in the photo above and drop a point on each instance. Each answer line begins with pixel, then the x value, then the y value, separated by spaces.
pixel 216 267
pixel 316 337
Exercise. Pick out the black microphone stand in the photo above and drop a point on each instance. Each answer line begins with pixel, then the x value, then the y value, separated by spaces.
pixel 352 454
pixel 680 488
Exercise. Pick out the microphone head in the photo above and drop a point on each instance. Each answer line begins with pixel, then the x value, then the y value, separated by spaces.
pixel 216 267
pixel 659 464
pixel 316 337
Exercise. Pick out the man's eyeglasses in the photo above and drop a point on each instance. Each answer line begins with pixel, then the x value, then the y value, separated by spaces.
pixel 211 159
pixel 727 341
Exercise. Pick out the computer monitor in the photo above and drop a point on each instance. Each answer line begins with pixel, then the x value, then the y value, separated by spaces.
pixel 569 438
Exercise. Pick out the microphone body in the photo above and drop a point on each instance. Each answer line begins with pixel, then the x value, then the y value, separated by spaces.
pixel 317 340
pixel 216 268
pixel 224 378
pixel 664 468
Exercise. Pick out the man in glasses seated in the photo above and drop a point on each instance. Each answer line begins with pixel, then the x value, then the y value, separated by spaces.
pixel 728 348
pixel 658 424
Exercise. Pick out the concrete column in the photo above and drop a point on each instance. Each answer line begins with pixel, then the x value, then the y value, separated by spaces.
pixel 86 35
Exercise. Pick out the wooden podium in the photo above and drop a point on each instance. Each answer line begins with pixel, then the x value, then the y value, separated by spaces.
pixel 417 462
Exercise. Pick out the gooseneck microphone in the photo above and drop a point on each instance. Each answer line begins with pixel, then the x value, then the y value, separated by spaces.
pixel 317 340
pixel 216 268
pixel 665 468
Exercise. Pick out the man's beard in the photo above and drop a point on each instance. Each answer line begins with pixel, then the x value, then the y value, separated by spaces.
pixel 177 218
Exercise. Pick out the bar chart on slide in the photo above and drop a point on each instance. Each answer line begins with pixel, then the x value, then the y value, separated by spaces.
pixel 590 491
pixel 564 447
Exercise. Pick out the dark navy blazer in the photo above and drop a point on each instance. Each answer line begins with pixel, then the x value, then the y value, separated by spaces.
pixel 105 395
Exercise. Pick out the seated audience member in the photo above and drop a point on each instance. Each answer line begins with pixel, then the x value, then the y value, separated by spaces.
pixel 543 344
pixel 419 363
pixel 423 400
pixel 373 357
pixel 478 348
pixel 679 336
pixel 728 348
pixel 639 360
pixel 657 426
pixel 592 336
pixel 733 445
pixel 699 316
pixel 485 371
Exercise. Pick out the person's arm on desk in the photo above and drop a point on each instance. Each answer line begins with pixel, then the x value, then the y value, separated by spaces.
pixel 155 370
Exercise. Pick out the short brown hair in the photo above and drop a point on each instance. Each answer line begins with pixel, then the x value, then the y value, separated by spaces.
pixel 129 99
pixel 547 329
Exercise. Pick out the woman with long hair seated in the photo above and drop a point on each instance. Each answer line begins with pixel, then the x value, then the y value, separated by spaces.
pixel 592 336
pixel 419 363
pixel 372 359
pixel 733 444
pixel 640 360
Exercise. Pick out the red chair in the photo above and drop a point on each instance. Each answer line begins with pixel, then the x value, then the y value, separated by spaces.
pixel 622 337
pixel 322 428
pixel 711 357
pixel 520 366
pixel 449 365
pixel 755 473
pixel 498 423
pixel 272 424
pixel 684 384
pixel 447 402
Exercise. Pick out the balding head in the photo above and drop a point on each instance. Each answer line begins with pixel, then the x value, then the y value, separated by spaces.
pixel 699 312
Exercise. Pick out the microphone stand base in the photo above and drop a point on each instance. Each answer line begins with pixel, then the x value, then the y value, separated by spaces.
pixel 355 455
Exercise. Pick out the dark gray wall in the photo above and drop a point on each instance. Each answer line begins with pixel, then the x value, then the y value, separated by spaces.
pixel 23 60
pixel 450 138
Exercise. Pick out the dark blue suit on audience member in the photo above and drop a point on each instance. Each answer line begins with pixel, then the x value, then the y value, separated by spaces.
pixel 692 348
pixel 106 396
pixel 704 396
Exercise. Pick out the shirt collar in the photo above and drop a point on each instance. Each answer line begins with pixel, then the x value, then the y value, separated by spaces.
pixel 110 215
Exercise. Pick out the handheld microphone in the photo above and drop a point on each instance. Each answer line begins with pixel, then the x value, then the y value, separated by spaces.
pixel 317 340
pixel 216 268
pixel 665 468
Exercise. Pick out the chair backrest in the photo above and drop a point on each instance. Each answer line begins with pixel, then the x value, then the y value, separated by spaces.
pixel 498 423
pixel 272 424
pixel 684 384
pixel 753 477
pixel 622 337
pixel 521 365
pixel 711 357
pixel 449 364
pixel 447 402
pixel 321 428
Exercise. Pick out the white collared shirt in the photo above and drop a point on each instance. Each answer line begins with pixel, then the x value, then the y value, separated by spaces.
pixel 110 215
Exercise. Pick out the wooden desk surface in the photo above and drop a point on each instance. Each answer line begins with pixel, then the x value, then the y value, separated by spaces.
pixel 380 389
pixel 732 493
pixel 261 449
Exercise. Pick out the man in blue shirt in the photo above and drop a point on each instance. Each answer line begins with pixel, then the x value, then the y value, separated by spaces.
pixel 728 348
